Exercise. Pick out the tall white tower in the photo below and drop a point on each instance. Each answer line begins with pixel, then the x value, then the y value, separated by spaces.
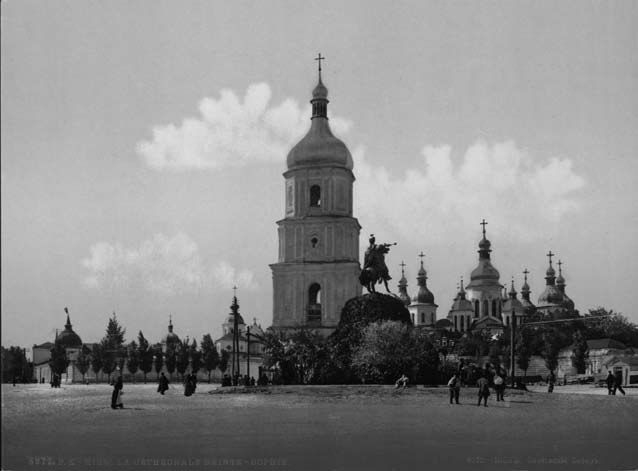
pixel 318 266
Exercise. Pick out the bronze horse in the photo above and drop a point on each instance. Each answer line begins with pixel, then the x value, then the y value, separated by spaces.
pixel 375 270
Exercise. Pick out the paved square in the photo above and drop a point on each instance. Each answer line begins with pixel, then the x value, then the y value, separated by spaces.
pixel 316 427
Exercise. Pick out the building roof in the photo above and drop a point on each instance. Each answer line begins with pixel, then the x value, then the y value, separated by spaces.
pixel 68 338
pixel 319 147
pixel 45 345
pixel 606 343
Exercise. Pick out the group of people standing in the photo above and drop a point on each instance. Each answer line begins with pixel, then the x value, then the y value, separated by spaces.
pixel 483 384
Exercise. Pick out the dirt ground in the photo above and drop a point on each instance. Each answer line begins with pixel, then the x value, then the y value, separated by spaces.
pixel 314 427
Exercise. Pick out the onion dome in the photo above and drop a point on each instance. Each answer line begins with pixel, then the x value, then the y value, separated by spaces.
pixel 525 293
pixel 551 295
pixel 513 304
pixel 484 274
pixel 171 337
pixel 567 303
pixel 234 312
pixel 460 302
pixel 68 338
pixel 550 274
pixel 560 281
pixel 319 147
pixel 424 295
pixel 403 288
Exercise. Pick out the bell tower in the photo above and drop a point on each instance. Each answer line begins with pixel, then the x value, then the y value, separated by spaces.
pixel 318 265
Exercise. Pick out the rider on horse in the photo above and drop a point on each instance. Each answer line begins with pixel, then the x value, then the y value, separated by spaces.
pixel 374 268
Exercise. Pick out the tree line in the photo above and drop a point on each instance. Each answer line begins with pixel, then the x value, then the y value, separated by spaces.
pixel 113 354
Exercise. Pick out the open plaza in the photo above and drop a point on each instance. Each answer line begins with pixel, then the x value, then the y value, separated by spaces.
pixel 364 427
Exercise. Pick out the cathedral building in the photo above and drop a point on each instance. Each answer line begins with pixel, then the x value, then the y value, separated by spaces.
pixel 318 265
pixel 484 290
pixel 422 308
pixel 554 300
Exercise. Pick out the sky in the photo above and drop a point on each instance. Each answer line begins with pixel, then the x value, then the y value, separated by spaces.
pixel 143 146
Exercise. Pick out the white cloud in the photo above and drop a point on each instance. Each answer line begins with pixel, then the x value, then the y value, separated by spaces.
pixel 162 265
pixel 226 276
pixel 232 132
pixel 500 182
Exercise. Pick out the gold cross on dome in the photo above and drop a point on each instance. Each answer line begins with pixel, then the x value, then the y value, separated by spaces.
pixel 483 223
pixel 319 58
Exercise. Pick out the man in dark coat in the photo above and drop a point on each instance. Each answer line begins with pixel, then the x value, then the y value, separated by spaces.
pixel 618 382
pixel 117 388
pixel 163 384
pixel 610 383
pixel 483 390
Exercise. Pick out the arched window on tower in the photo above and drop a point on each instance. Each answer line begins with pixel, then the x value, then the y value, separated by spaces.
pixel 456 327
pixel 476 308
pixel 313 314
pixel 423 318
pixel 462 323
pixel 315 196
pixel 486 306
pixel 494 313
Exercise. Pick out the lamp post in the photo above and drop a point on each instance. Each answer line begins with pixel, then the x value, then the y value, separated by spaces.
pixel 248 352
pixel 512 346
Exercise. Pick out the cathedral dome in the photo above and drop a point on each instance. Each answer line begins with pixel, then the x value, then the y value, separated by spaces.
pixel 68 338
pixel 171 337
pixel 319 147
pixel 424 296
pixel 551 295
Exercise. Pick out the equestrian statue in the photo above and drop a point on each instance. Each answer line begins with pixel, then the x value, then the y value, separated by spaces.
pixel 374 268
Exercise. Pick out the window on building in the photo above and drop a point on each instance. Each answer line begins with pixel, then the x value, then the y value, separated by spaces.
pixel 423 318
pixel 494 313
pixel 486 306
pixel 413 318
pixel 476 308
pixel 462 323
pixel 315 195
pixel 456 327
pixel 313 315
pixel 507 321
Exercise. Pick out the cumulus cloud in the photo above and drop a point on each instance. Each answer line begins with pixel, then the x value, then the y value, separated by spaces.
pixel 231 132
pixel 161 265
pixel 499 181
pixel 226 276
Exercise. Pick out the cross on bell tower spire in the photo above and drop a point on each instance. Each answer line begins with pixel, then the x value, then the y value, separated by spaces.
pixel 319 58
pixel 550 255
pixel 483 223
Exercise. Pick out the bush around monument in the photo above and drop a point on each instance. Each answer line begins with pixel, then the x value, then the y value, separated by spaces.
pixel 357 314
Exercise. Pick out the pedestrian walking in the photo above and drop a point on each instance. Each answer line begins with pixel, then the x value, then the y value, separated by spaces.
pixel 116 395
pixel 483 389
pixel 618 382
pixel 162 387
pixel 499 387
pixel 610 383
pixel 551 379
pixel 455 388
